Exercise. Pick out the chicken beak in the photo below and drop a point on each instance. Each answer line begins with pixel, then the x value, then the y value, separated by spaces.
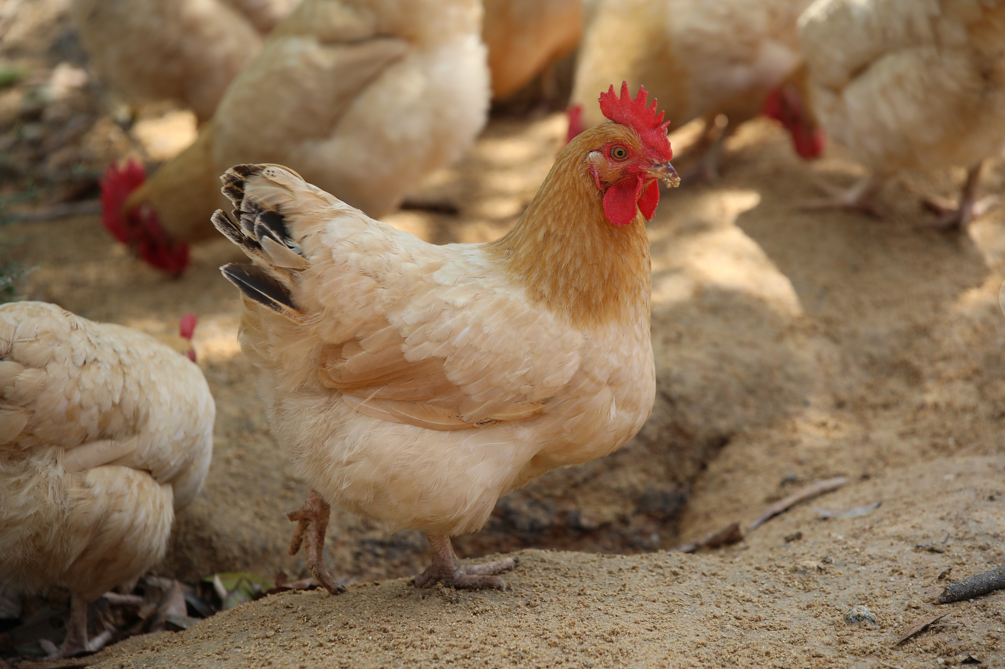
pixel 665 173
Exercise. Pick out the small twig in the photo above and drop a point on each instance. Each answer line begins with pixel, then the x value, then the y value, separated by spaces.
pixel 974 586
pixel 731 534
pixel 56 211
pixel 116 599
pixel 918 627
pixel 809 492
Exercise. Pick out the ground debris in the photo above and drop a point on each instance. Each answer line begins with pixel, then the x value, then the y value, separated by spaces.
pixel 56 211
pixel 727 536
pixel 860 614
pixel 827 514
pixel 974 586
pixel 809 492
pixel 918 627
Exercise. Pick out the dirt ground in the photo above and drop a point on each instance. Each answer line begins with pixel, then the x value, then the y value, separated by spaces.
pixel 791 346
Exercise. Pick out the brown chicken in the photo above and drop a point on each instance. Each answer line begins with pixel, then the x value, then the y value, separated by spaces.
pixel 415 384
pixel 906 84
pixel 187 51
pixel 525 37
pixel 104 434
pixel 702 59
pixel 363 97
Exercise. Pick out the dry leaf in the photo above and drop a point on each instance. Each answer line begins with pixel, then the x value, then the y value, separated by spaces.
pixel 918 627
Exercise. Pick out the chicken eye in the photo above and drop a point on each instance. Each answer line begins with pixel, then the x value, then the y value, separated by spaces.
pixel 619 153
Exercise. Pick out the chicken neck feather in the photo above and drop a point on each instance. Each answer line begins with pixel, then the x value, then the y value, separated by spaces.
pixel 569 256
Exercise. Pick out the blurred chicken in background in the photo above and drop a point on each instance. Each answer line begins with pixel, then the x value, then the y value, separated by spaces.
pixel 526 38
pixel 104 434
pixel 187 51
pixel 363 97
pixel 908 84
pixel 700 59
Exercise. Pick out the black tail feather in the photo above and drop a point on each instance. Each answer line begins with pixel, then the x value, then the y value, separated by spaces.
pixel 249 225
pixel 226 225
pixel 255 284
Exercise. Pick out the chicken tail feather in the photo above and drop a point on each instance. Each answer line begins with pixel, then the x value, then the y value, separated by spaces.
pixel 256 284
pixel 260 231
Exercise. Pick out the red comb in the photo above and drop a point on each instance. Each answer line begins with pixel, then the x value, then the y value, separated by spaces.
pixel 634 113
pixel 187 326
pixel 116 185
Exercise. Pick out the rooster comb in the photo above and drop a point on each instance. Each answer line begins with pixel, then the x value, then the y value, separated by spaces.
pixel 635 114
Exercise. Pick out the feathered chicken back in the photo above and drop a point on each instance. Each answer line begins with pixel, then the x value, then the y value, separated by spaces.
pixel 104 433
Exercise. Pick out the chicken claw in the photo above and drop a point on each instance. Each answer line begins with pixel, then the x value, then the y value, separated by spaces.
pixel 959 217
pixel 312 522
pixel 859 198
pixel 76 640
pixel 447 568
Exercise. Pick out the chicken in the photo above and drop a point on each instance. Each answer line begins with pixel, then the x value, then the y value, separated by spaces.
pixel 907 84
pixel 104 434
pixel 187 51
pixel 525 37
pixel 702 59
pixel 363 97
pixel 415 384
pixel 263 14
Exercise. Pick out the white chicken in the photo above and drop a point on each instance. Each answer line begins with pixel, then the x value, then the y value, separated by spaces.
pixel 104 433
pixel 908 84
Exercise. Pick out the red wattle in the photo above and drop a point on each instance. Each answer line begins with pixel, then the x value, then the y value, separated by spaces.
pixel 808 145
pixel 187 326
pixel 621 201
pixel 650 198
pixel 116 185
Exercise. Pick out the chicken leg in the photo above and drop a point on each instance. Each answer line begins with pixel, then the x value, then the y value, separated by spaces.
pixel 959 217
pixel 860 197
pixel 447 568
pixel 76 634
pixel 312 522
pixel 710 146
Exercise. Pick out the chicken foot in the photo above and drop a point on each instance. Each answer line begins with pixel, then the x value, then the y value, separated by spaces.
pixel 959 217
pixel 447 568
pixel 76 640
pixel 312 523
pixel 860 197
pixel 709 146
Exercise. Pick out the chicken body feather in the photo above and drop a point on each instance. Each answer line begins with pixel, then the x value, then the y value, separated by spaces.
pixel 909 85
pixel 699 58
pixel 906 84
pixel 185 50
pixel 363 97
pixel 104 434
pixel 524 37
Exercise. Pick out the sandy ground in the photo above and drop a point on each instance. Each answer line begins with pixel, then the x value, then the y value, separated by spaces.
pixel 791 346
